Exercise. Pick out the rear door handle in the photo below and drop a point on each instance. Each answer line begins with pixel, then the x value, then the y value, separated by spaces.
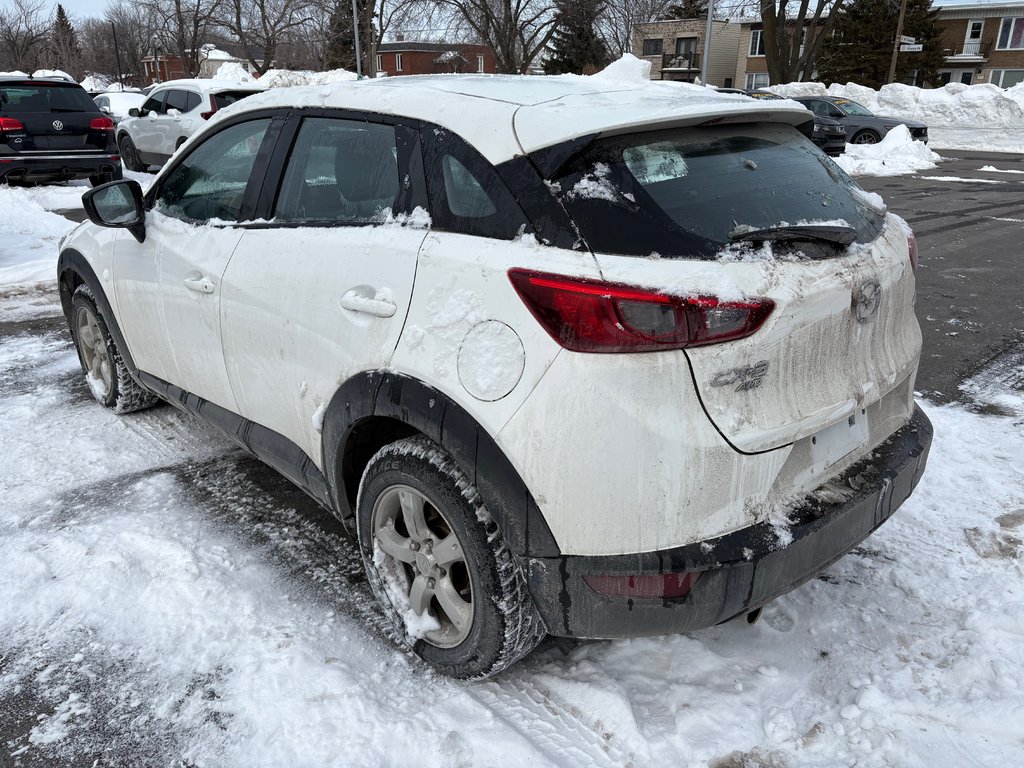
pixel 371 306
pixel 200 284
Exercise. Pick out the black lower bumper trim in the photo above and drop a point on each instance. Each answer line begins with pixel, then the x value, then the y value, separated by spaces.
pixel 742 570
pixel 57 166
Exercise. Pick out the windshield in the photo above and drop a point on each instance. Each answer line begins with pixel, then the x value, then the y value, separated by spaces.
pixel 39 97
pixel 685 193
pixel 853 108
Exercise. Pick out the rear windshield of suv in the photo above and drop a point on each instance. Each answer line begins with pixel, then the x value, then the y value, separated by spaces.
pixel 683 192
pixel 225 98
pixel 32 97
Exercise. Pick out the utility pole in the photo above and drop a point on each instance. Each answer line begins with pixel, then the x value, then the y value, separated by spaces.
pixel 355 36
pixel 896 42
pixel 117 55
pixel 707 43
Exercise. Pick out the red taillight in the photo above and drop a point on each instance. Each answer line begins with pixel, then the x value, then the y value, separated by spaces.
pixel 593 316
pixel 101 124
pixel 10 124
pixel 208 115
pixel 912 247
pixel 661 585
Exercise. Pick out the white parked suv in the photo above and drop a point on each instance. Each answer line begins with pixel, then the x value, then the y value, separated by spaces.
pixel 171 113
pixel 565 355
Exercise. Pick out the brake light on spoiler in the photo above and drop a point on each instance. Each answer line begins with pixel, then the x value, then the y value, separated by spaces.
pixel 586 315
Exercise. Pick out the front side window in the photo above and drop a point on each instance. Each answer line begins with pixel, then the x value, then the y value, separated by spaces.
pixel 1011 33
pixel 689 192
pixel 756 42
pixel 652 47
pixel 155 103
pixel 340 171
pixel 210 182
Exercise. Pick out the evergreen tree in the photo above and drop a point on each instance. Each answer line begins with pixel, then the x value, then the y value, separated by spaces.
pixel 340 51
pixel 576 47
pixel 688 9
pixel 861 51
pixel 67 54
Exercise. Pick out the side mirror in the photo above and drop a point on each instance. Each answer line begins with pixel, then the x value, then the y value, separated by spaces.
pixel 172 112
pixel 835 113
pixel 117 204
pixel 134 112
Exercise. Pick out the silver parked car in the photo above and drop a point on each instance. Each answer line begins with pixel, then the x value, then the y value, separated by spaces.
pixel 862 125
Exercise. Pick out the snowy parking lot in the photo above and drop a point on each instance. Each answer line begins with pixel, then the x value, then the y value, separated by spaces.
pixel 167 600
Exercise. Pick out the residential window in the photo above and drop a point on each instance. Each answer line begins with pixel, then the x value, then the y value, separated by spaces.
pixel 1007 78
pixel 380 63
pixel 398 62
pixel 479 63
pixel 1011 33
pixel 757 80
pixel 652 47
pixel 756 42
pixel 686 46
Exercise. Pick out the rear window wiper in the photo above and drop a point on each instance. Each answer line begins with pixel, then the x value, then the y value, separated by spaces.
pixel 828 233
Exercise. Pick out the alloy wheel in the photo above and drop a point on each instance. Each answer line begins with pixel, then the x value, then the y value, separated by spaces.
pixel 95 356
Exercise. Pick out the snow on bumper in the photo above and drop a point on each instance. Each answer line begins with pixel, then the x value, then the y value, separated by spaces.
pixel 742 570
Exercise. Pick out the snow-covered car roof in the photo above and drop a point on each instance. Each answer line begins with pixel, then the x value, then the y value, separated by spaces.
pixel 210 86
pixel 507 115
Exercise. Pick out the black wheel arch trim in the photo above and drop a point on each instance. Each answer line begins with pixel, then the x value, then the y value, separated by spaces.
pixel 433 413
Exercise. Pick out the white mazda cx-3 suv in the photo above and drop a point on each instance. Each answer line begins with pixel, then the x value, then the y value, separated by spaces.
pixel 566 355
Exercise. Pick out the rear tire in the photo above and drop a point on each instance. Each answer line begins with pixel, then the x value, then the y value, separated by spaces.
pixel 130 154
pixel 438 565
pixel 866 136
pixel 105 371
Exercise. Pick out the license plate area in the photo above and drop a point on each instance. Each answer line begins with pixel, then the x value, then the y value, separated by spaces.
pixel 832 444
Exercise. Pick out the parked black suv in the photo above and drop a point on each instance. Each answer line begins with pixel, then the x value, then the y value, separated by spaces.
pixel 50 130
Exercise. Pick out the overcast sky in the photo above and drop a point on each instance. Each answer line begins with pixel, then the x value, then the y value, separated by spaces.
pixel 77 8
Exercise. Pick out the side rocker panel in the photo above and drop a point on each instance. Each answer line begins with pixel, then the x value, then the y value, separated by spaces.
pixel 433 413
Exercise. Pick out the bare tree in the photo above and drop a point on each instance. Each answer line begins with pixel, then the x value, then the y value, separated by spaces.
pixel 794 35
pixel 622 16
pixel 264 25
pixel 24 29
pixel 516 30
pixel 183 27
pixel 137 24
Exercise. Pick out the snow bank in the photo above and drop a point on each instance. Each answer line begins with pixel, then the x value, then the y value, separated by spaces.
pixel 628 69
pixel 284 78
pixel 983 117
pixel 894 155
pixel 28 240
pixel 235 72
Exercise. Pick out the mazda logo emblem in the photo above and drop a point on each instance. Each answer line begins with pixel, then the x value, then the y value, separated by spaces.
pixel 58 125
pixel 866 301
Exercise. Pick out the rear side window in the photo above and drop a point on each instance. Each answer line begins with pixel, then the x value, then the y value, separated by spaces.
pixel 192 101
pixel 227 98
pixel 177 100
pixel 466 193
pixel 31 97
pixel 340 171
pixel 210 182
pixel 683 193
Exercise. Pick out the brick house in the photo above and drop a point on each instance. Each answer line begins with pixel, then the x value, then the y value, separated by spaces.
pixel 675 49
pixel 405 57
pixel 984 42
pixel 162 67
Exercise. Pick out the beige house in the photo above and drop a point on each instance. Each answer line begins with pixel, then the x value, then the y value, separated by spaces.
pixel 676 49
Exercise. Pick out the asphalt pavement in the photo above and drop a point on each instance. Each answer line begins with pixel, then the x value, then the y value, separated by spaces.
pixel 970 283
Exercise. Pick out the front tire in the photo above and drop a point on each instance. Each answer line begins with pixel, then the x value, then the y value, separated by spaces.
pixel 105 371
pixel 438 565
pixel 865 137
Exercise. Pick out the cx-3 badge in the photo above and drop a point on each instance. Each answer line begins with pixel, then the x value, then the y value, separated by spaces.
pixel 58 125
pixel 866 301
pixel 746 378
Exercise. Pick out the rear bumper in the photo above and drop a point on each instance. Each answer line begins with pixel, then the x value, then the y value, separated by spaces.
pixel 829 145
pixel 740 571
pixel 57 166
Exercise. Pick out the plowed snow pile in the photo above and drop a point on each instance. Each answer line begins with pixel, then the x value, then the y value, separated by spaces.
pixel 894 155
pixel 980 117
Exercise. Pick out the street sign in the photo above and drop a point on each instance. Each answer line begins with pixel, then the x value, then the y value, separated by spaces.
pixel 911 48
pixel 907 40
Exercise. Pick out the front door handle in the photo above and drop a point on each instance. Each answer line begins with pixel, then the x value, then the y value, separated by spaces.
pixel 200 284
pixel 356 302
